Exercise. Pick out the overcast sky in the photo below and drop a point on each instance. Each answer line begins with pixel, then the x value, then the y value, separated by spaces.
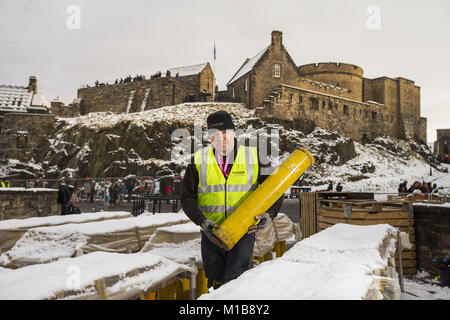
pixel 116 38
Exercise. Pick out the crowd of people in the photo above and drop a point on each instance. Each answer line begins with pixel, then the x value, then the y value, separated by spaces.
pixel 416 187
pixel 130 79
pixel 112 193
pixel 339 187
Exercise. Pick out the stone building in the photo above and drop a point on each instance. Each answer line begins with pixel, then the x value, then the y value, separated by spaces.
pixel 334 96
pixel 177 85
pixel 25 121
pixel 442 145
pixel 59 109
pixel 22 99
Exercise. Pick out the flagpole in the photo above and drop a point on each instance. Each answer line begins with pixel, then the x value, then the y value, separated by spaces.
pixel 214 74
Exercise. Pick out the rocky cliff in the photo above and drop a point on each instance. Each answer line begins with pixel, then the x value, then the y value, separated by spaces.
pixel 114 145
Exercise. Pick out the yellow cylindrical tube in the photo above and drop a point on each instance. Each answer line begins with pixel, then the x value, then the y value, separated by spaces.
pixel 237 224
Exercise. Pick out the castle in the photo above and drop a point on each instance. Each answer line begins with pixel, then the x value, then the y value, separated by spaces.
pixel 176 85
pixel 334 96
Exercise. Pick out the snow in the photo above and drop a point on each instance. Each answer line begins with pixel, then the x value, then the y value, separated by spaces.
pixel 43 281
pixel 21 189
pixel 247 66
pixel 12 224
pixel 186 70
pixel 422 287
pixel 190 113
pixel 389 172
pixel 340 262
pixel 45 244
pixel 10 94
pixel 108 226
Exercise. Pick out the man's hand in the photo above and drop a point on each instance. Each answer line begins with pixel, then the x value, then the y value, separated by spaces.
pixel 208 227
pixel 264 220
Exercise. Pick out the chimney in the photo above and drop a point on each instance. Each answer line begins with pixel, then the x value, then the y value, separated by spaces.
pixel 277 38
pixel 32 85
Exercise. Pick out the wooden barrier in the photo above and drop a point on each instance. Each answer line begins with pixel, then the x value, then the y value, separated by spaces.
pixel 308 213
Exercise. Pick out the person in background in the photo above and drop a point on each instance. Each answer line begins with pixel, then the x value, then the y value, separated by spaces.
pixel 402 188
pixel 330 186
pixel 339 187
pixel 121 190
pixel 113 191
pixel 5 183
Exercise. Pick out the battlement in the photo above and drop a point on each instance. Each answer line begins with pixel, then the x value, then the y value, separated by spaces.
pixel 331 67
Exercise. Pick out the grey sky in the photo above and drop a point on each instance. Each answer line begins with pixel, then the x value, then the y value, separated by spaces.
pixel 118 38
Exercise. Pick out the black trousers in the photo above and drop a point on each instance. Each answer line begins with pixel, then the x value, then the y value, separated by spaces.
pixel 222 265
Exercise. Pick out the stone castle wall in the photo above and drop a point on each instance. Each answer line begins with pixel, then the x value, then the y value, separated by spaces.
pixel 348 117
pixel 20 203
pixel 136 96
pixel 24 134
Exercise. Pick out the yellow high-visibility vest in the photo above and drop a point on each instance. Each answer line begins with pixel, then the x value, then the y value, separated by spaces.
pixel 219 197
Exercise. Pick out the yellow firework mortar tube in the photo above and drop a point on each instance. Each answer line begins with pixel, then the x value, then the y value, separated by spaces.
pixel 237 224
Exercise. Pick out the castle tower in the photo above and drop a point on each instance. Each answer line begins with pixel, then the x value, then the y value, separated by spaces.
pixel 347 76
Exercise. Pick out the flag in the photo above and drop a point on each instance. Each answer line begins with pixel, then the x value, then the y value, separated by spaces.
pixel 214 51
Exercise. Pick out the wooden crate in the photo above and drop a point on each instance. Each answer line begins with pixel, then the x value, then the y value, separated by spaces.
pixel 370 212
pixel 435 199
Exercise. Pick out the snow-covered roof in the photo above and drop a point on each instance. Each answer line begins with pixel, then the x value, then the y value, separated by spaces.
pixel 39 100
pixel 247 66
pixel 186 70
pixel 15 98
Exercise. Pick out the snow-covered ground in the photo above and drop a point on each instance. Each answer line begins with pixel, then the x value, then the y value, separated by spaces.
pixel 389 172
pixel 422 286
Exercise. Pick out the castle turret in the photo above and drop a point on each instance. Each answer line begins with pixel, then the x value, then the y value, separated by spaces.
pixel 347 76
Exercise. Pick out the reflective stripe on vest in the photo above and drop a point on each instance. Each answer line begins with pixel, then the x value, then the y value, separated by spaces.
pixel 219 197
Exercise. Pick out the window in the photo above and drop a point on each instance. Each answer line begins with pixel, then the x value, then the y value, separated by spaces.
pixel 323 104
pixel 246 84
pixel 277 70
pixel 300 99
pixel 21 140
pixel 374 115
pixel 330 105
pixel 233 92
pixel 314 103
pixel 345 109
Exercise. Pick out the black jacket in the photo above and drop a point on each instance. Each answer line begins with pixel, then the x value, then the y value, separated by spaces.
pixel 189 193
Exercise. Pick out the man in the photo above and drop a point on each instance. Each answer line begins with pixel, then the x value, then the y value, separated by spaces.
pixel 219 178
pixel 402 188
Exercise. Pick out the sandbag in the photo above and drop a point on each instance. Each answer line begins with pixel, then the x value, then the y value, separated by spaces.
pixel 280 229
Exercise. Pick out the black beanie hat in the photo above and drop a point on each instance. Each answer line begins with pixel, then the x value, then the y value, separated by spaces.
pixel 220 120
